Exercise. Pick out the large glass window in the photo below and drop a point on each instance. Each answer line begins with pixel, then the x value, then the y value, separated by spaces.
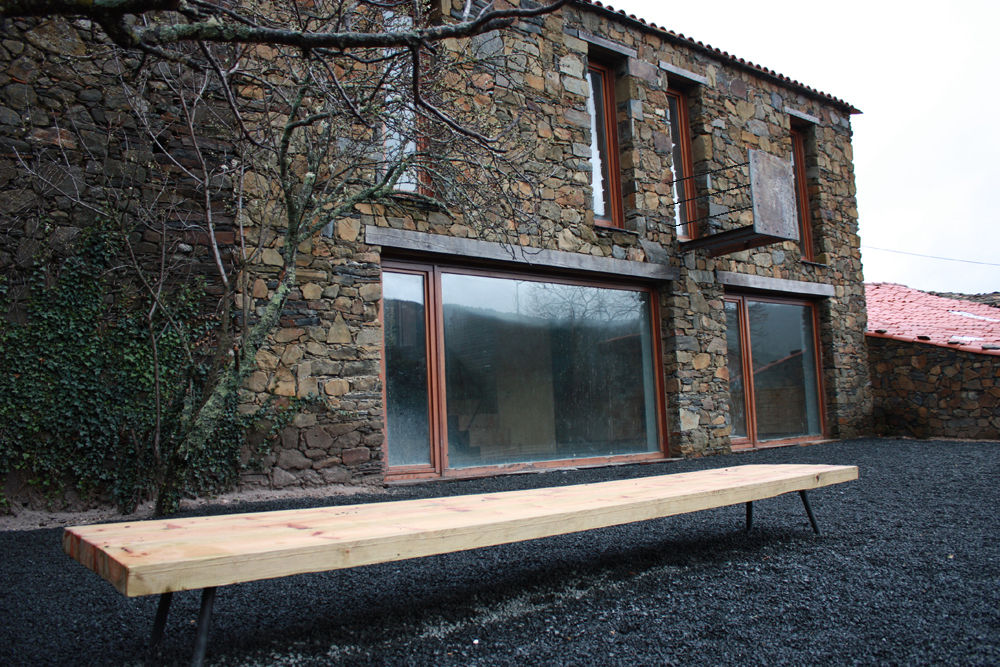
pixel 406 357
pixel 531 371
pixel 773 371
pixel 734 360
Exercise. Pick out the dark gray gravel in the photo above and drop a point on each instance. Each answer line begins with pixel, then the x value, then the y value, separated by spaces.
pixel 907 571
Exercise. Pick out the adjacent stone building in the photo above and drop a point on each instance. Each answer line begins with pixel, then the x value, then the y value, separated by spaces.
pixel 650 311
pixel 935 364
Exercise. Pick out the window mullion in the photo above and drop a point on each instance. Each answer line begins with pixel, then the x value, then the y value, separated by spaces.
pixel 749 396
pixel 436 373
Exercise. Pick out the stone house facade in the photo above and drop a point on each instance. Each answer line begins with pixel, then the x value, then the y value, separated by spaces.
pixel 596 338
pixel 639 318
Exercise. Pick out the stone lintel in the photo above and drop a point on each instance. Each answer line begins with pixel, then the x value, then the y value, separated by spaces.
pixel 764 283
pixel 439 244
pixel 685 74
pixel 802 115
pixel 607 44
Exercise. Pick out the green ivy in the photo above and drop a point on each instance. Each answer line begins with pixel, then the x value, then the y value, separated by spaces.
pixel 78 379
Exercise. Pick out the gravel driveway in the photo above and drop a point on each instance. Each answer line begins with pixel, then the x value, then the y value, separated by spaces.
pixel 907 571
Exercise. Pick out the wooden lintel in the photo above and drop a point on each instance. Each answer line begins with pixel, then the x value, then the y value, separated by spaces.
pixel 766 284
pixel 412 242
pixel 688 75
pixel 608 45
pixel 803 116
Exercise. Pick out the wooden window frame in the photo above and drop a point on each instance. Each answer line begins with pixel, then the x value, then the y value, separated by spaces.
pixel 437 406
pixel 751 441
pixel 803 204
pixel 688 190
pixel 609 105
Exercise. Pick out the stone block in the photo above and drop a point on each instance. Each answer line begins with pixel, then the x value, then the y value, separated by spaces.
pixel 317 438
pixel 293 459
pixel 289 334
pixel 370 291
pixel 348 229
pixel 311 292
pixel 281 478
pixel 257 381
pixel 272 257
pixel 336 387
pixel 334 474
pixel 355 455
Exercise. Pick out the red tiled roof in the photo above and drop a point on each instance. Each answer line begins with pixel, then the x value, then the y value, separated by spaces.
pixel 902 313
pixel 719 53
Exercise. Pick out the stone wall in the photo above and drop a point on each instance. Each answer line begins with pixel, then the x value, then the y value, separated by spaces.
pixel 928 391
pixel 330 340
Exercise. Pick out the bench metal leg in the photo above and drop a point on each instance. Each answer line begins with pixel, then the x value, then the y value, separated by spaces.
pixel 160 622
pixel 749 516
pixel 812 519
pixel 204 620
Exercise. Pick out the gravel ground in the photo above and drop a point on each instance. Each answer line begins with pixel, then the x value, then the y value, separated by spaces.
pixel 907 571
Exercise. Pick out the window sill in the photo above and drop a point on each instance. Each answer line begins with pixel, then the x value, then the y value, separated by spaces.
pixel 809 262
pixel 401 477
pixel 611 229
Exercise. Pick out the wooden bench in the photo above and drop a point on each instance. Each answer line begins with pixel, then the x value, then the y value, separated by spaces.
pixel 168 555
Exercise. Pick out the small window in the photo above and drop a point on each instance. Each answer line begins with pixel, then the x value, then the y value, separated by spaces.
pixel 401 128
pixel 802 192
pixel 605 180
pixel 684 191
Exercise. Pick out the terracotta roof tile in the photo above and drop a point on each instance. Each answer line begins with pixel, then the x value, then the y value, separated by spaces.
pixel 719 53
pixel 902 313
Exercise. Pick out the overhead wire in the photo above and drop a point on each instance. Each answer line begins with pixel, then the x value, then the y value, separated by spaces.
pixel 917 254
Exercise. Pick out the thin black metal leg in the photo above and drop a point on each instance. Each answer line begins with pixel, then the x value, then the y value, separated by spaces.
pixel 812 519
pixel 204 620
pixel 160 621
pixel 749 516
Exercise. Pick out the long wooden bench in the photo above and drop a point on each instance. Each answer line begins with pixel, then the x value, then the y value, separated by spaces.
pixel 168 555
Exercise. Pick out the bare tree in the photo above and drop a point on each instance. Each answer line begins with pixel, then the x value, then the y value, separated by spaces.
pixel 300 113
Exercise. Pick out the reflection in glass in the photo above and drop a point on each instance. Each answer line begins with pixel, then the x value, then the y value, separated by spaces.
pixel 737 388
pixel 677 160
pixel 598 144
pixel 406 390
pixel 783 352
pixel 541 371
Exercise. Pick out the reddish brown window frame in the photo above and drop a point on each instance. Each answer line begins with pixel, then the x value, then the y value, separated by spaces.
pixel 751 442
pixel 438 419
pixel 687 189
pixel 802 192
pixel 615 205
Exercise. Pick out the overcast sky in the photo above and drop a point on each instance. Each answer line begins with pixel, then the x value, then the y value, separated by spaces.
pixel 926 148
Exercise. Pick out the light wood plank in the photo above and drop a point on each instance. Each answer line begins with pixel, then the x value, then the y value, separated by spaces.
pixel 147 557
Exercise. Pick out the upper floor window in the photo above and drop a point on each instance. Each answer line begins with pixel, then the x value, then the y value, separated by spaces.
pixel 684 191
pixel 401 125
pixel 802 191
pixel 605 181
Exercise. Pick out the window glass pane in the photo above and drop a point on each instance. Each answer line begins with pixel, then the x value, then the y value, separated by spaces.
pixel 598 145
pixel 801 192
pixel 737 386
pixel 782 348
pixel 541 371
pixel 677 160
pixel 407 423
